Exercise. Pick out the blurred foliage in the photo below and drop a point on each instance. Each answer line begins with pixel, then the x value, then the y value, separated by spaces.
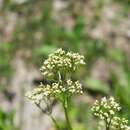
pixel 39 32
pixel 7 51
pixel 125 4
pixel 7 120
pixel 97 85
pixel 6 56
pixel 121 84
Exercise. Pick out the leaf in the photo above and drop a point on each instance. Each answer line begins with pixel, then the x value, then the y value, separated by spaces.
pixel 97 85
pixel 45 50
pixel 116 55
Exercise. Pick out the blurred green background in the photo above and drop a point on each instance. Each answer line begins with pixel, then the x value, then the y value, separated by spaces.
pixel 32 29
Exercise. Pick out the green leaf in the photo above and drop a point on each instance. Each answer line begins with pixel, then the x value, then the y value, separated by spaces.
pixel 116 55
pixel 97 85
pixel 45 50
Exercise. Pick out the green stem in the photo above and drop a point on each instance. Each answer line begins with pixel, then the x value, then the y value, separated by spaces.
pixel 52 118
pixel 55 123
pixel 66 115
pixel 107 125
pixel 65 105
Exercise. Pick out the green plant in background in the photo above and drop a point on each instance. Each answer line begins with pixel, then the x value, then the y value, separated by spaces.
pixel 106 110
pixel 120 81
pixel 42 34
pixel 7 51
pixel 7 120
pixel 59 67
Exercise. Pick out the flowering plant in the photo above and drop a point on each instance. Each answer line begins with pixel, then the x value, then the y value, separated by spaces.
pixel 59 66
pixel 106 110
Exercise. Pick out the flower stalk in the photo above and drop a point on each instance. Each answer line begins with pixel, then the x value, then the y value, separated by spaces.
pixel 65 106
pixel 55 123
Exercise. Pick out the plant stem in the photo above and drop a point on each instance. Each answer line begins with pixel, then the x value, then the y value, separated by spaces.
pixel 55 123
pixel 107 125
pixel 52 118
pixel 65 106
pixel 66 116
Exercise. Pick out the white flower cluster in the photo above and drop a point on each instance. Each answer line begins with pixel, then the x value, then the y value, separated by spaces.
pixel 118 123
pixel 53 91
pixel 35 96
pixel 74 87
pixel 61 61
pixel 42 92
pixel 57 66
pixel 105 108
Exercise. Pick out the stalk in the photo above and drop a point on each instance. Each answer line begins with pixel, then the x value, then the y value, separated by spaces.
pixel 50 115
pixel 65 106
pixel 55 123
pixel 107 127
pixel 108 123
pixel 69 127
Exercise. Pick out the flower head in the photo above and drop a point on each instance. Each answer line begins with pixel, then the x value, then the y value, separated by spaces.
pixel 74 87
pixel 105 108
pixel 54 90
pixel 118 123
pixel 42 92
pixel 61 61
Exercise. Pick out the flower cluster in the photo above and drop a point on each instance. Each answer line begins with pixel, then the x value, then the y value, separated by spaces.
pixel 42 92
pixel 106 110
pixel 53 90
pixel 74 87
pixel 58 66
pixel 61 61
pixel 118 123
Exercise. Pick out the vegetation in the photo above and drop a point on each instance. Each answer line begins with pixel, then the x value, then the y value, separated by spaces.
pixel 97 29
pixel 6 120
pixel 60 66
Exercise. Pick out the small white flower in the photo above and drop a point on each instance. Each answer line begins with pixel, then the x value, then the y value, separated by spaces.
pixel 112 112
pixel 60 60
pixel 106 110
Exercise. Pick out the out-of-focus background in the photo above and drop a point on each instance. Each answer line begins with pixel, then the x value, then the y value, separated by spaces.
pixel 32 29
